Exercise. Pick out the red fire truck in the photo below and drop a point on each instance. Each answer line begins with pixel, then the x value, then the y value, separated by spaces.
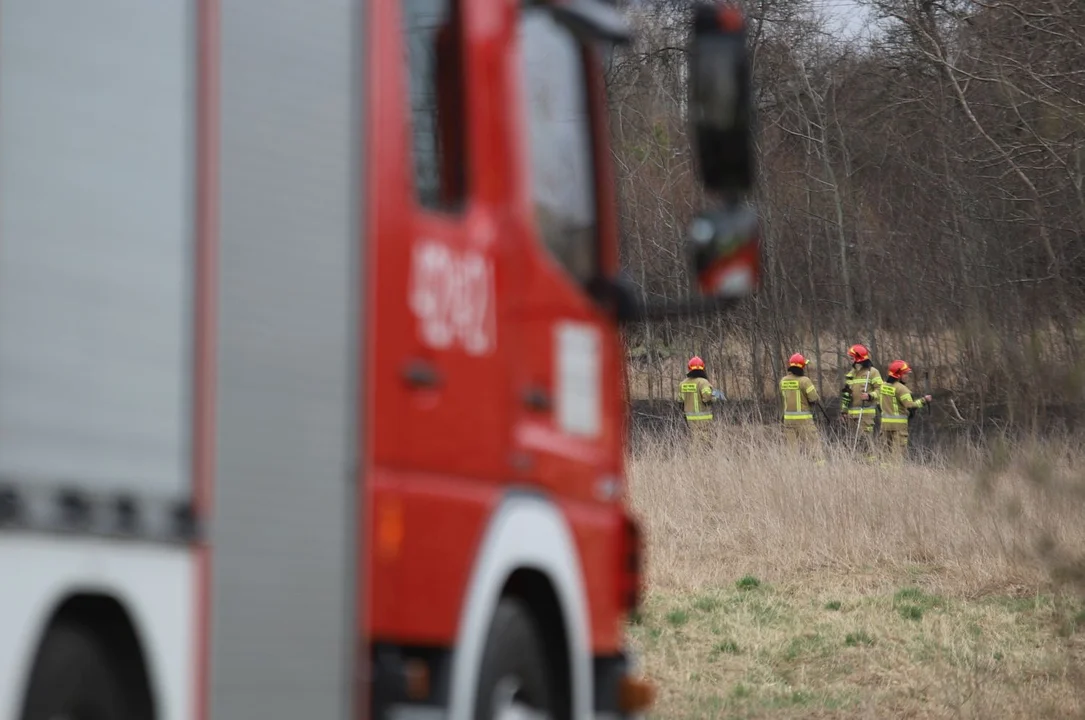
pixel 310 389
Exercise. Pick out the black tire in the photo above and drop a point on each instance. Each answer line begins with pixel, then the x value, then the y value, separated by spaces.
pixel 515 657
pixel 74 678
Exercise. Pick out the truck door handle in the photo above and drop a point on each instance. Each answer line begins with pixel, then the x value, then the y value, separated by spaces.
pixel 536 398
pixel 421 374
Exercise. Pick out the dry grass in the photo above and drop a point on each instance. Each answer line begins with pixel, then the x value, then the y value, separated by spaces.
pixel 919 591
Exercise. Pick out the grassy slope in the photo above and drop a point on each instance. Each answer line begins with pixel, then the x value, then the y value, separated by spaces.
pixel 783 590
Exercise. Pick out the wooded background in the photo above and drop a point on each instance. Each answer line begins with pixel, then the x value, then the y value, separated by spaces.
pixel 921 191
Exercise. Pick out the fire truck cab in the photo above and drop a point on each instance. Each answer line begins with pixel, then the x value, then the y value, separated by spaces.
pixel 310 390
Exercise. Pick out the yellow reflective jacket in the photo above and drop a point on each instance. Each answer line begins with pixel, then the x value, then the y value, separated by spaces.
pixel 798 392
pixel 856 379
pixel 896 401
pixel 695 394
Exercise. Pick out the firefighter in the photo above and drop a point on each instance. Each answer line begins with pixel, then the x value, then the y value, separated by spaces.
pixel 859 397
pixel 696 395
pixel 799 395
pixel 895 399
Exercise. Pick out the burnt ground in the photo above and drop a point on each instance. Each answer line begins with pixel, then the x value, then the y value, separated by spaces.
pixel 934 429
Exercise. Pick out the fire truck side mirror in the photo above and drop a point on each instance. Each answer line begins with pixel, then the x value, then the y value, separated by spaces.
pixel 723 246
pixel 724 249
pixel 720 102
pixel 724 243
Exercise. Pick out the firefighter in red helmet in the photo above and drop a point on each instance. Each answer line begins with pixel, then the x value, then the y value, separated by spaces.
pixel 859 397
pixel 696 395
pixel 897 407
pixel 798 394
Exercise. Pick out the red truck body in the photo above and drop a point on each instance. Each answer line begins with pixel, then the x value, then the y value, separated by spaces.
pixel 444 454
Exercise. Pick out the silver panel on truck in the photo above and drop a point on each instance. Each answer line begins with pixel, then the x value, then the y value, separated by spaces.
pixel 283 532
pixel 96 240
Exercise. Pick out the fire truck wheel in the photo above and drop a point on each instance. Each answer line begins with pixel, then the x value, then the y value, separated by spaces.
pixel 74 678
pixel 514 681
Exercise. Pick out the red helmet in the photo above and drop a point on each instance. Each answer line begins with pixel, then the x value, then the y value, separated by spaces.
pixel 898 369
pixel 796 360
pixel 858 353
pixel 695 363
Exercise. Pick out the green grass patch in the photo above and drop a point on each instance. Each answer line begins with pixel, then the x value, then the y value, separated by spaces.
pixel 707 603
pixel 1032 603
pixel 726 647
pixel 911 603
pixel 749 582
pixel 805 646
pixel 910 612
pixel 859 637
pixel 808 699
pixel 677 618
pixel 915 596
pixel 752 652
